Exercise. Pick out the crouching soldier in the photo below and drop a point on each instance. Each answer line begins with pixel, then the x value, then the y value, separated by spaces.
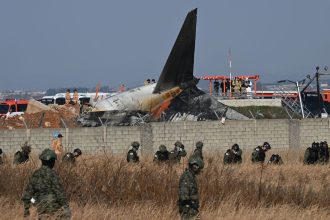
pixel 198 152
pixel 71 157
pixel 23 155
pixel 162 155
pixel 188 191
pixel 259 153
pixel 132 156
pixel 177 152
pixel 311 154
pixel 45 191
pixel 323 153
pixel 237 154
pixel 275 159
pixel 228 157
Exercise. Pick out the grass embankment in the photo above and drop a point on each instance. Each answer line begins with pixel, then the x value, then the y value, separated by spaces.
pixel 106 187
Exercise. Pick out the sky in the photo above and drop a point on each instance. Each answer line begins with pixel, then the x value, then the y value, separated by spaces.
pixel 76 43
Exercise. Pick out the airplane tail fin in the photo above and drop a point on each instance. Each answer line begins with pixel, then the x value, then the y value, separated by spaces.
pixel 179 67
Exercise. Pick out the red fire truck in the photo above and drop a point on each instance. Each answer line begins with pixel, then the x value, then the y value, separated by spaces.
pixel 12 107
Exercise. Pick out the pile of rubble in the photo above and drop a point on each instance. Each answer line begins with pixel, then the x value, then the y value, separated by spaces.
pixel 39 115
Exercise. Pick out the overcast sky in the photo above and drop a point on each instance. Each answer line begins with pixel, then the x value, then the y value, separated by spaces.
pixel 47 44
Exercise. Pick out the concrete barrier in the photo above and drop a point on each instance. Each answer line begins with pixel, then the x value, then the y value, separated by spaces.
pixel 280 133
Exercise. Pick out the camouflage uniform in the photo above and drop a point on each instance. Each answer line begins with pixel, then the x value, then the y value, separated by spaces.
pixel 259 153
pixel 45 191
pixel 323 153
pixel 132 156
pixel 311 154
pixel 71 157
pixel 177 152
pixel 228 157
pixel 162 155
pixel 237 154
pixel 198 152
pixel 22 156
pixel 275 159
pixel 188 192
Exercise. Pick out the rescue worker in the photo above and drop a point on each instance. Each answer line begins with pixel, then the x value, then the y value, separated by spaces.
pixel 132 156
pixel 45 191
pixel 198 152
pixel 71 157
pixel 311 154
pixel 228 157
pixel 275 159
pixel 23 155
pixel 237 153
pixel 162 155
pixel 177 152
pixel 75 97
pixel 67 97
pixel 57 144
pixel 188 191
pixel 323 153
pixel 2 160
pixel 153 81
pixel 259 153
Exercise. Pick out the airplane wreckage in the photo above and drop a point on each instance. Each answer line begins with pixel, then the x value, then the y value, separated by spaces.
pixel 174 97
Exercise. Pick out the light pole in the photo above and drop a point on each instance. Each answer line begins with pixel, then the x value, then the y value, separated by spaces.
pixel 299 95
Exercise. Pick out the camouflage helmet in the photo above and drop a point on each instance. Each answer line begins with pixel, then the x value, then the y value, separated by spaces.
pixel 267 145
pixel 235 147
pixel 178 144
pixel 135 144
pixel 196 160
pixel 47 155
pixel 199 144
pixel 162 148
pixel 77 151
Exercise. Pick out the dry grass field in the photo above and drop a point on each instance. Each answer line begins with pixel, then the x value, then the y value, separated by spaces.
pixel 106 187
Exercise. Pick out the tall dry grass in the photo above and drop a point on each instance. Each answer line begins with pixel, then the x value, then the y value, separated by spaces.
pixel 106 187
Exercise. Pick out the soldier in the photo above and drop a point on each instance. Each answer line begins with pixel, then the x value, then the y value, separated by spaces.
pixel 162 155
pixel 237 154
pixel 198 152
pixel 57 144
pixel 323 153
pixel 75 97
pixel 67 97
pixel 45 191
pixel 177 152
pixel 22 156
pixel 311 154
pixel 132 156
pixel 259 153
pixel 71 157
pixel 275 159
pixel 228 157
pixel 1 157
pixel 188 192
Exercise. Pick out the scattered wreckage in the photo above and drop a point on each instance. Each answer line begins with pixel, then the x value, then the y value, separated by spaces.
pixel 174 97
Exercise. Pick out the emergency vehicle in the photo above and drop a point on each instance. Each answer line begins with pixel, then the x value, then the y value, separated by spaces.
pixel 12 107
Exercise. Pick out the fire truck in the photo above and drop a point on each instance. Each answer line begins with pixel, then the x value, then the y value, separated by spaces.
pixel 12 107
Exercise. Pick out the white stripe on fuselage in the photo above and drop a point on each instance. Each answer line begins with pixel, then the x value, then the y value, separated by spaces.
pixel 129 100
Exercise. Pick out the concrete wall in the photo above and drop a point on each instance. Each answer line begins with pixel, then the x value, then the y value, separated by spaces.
pixel 280 133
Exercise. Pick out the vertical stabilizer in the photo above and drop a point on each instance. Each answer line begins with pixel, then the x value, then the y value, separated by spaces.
pixel 179 66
